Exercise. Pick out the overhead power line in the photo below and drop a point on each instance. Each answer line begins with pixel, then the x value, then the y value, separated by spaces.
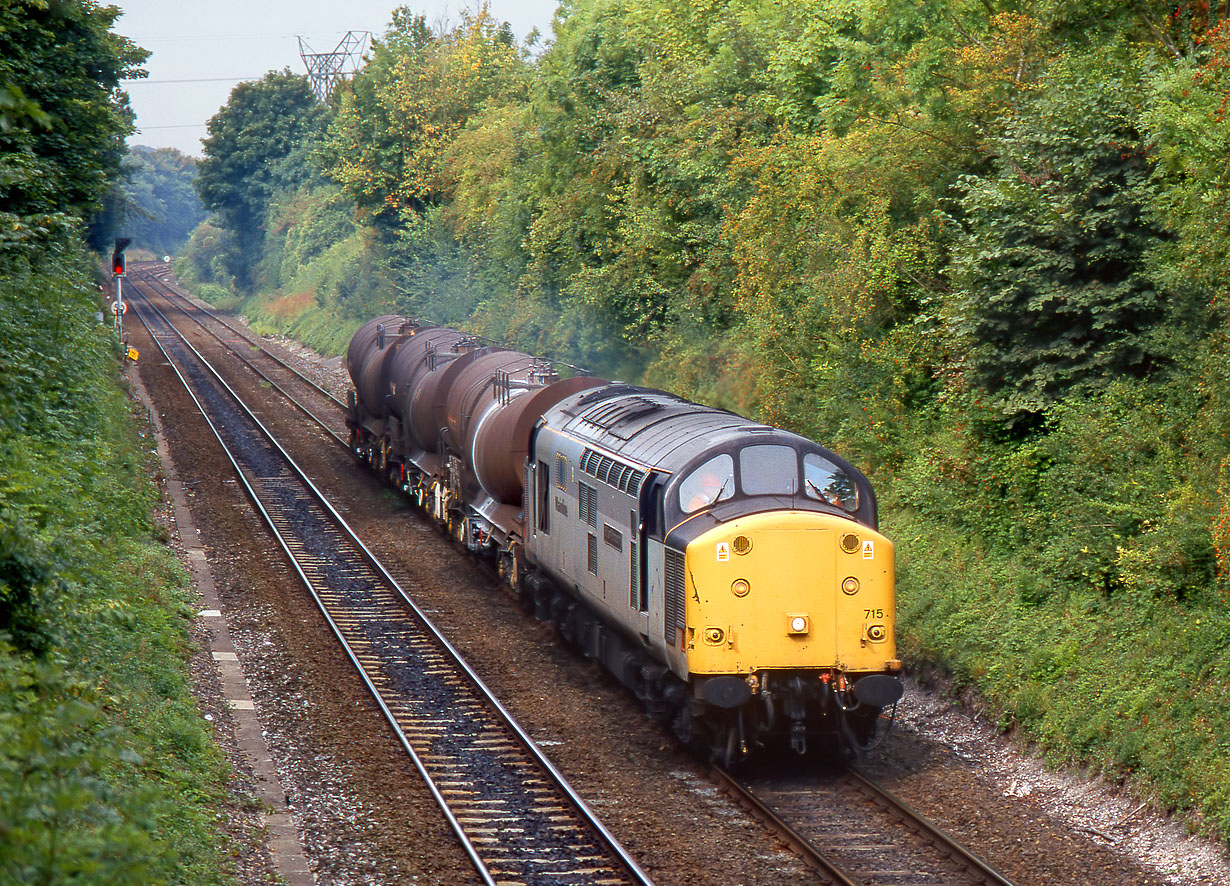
pixel 196 80
pixel 197 38
pixel 200 38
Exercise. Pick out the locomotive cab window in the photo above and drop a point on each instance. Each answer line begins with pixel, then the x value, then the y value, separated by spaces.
pixel 824 480
pixel 769 469
pixel 712 481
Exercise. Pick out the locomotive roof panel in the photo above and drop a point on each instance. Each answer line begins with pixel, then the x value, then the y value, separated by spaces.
pixel 664 433
pixel 649 427
pixel 677 439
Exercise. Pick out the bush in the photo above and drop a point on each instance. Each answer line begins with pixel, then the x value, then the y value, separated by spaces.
pixel 218 296
pixel 1131 687
pixel 107 771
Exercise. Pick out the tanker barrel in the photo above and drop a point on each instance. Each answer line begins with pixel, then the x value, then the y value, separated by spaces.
pixel 368 337
pixel 414 361
pixel 480 384
pixel 374 386
pixel 501 436
pixel 428 401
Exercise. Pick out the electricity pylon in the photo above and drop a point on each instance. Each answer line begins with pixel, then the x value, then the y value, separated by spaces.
pixel 326 68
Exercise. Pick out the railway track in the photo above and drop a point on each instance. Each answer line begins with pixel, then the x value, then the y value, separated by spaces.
pixel 512 812
pixel 327 411
pixel 855 833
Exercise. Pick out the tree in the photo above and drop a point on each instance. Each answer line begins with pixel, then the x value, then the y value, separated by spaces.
pixel 363 150
pixel 156 203
pixel 249 151
pixel 63 117
pixel 1056 293
pixel 1189 122
pixel 405 108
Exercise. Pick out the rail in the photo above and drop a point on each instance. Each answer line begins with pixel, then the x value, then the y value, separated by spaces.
pixel 854 832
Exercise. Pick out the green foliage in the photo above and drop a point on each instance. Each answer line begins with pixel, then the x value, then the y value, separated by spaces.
pixel 363 151
pixel 221 298
pixel 1057 293
pixel 1133 690
pixel 107 772
pixel 63 119
pixel 255 149
pixel 207 257
pixel 401 112
pixel 62 818
pixel 1114 505
pixel 302 226
pixel 156 206
pixel 1188 122
pixel 324 297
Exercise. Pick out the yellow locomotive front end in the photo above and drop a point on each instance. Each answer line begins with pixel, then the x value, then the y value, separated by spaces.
pixel 790 628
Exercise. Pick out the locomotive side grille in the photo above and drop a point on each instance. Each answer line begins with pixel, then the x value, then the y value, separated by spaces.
pixel 676 620
pixel 593 554
pixel 587 504
pixel 617 474
pixel 634 581
pixel 622 476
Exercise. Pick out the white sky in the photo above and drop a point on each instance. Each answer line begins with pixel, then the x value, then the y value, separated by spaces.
pixel 217 43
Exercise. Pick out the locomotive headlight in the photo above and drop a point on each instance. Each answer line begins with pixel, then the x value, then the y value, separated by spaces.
pixel 740 587
pixel 797 624
pixel 876 632
pixel 850 585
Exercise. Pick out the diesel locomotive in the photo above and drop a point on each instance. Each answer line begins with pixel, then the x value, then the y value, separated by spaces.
pixel 729 573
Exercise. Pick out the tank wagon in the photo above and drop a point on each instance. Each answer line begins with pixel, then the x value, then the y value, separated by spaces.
pixel 729 573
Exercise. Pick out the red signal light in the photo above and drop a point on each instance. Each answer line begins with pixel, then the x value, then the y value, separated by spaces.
pixel 117 255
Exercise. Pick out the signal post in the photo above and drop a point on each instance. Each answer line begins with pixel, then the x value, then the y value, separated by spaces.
pixel 118 267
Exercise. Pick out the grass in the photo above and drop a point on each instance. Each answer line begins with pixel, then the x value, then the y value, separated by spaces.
pixel 1132 688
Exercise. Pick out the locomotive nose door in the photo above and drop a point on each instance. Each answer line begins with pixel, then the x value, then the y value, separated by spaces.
pixel 647 523
pixel 802 620
pixel 764 597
